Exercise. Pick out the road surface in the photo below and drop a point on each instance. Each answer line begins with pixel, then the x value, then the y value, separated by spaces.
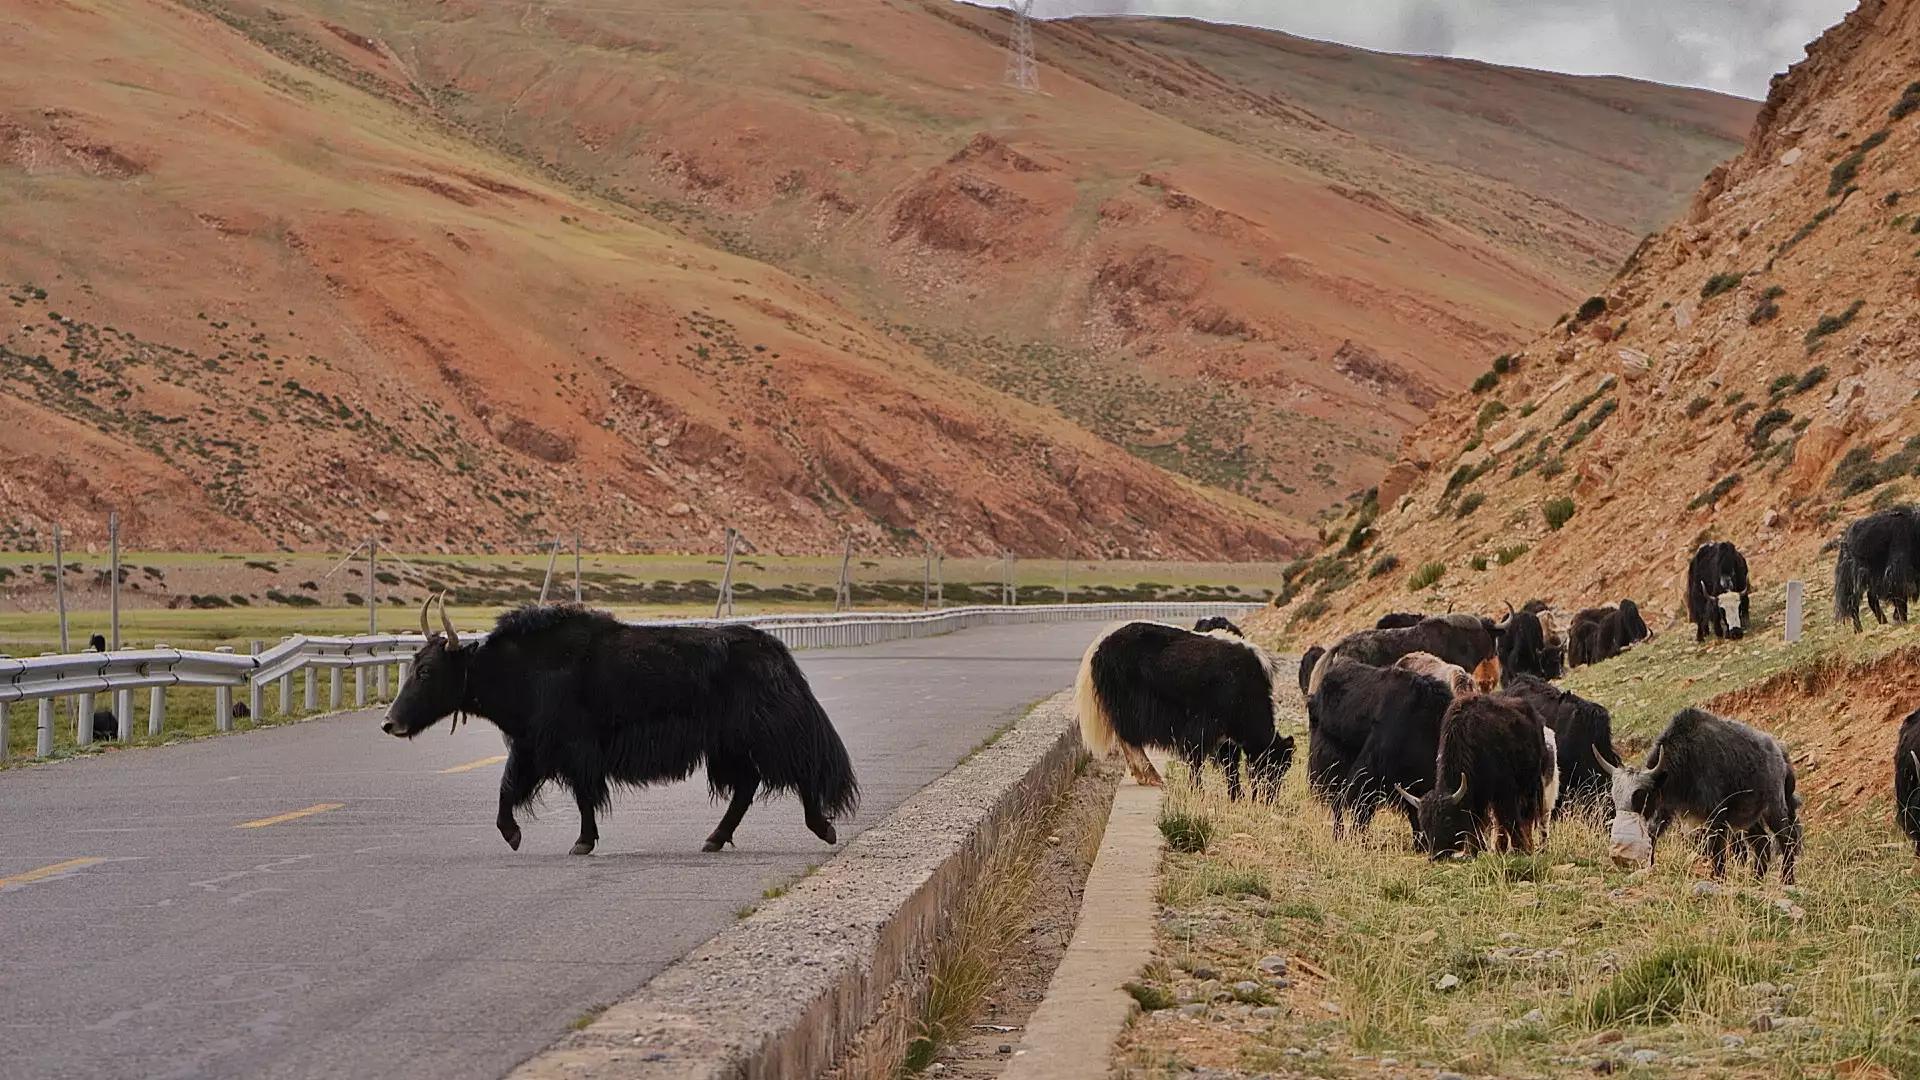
pixel 322 900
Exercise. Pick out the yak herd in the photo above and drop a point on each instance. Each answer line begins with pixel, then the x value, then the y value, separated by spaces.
pixel 1455 718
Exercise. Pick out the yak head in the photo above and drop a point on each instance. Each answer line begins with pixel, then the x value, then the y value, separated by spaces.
pixel 1443 826
pixel 1636 626
pixel 1730 608
pixel 437 686
pixel 1273 765
pixel 1634 793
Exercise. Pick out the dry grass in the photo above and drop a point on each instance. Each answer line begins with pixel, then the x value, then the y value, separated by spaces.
pixel 1561 961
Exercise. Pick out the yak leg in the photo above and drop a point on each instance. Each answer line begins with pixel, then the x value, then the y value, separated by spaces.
pixel 1789 836
pixel 1196 756
pixel 588 795
pixel 1899 609
pixel 1228 756
pixel 743 793
pixel 1758 843
pixel 1873 604
pixel 1717 842
pixel 1143 771
pixel 816 820
pixel 517 783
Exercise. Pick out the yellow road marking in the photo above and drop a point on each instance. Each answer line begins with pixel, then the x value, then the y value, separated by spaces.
pixel 472 765
pixel 292 815
pixel 32 876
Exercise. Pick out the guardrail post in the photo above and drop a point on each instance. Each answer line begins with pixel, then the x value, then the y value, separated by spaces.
pixel 312 692
pixel 123 713
pixel 286 693
pixel 43 741
pixel 359 687
pixel 380 681
pixel 223 701
pixel 255 703
pixel 6 747
pixel 83 720
pixel 333 688
pixel 156 710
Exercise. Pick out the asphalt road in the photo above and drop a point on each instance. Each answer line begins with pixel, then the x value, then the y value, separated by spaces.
pixel 165 913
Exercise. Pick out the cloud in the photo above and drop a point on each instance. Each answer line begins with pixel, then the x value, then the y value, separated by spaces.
pixel 1734 46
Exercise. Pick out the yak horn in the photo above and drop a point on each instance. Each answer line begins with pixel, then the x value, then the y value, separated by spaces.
pixel 453 636
pixel 1460 793
pixel 1916 764
pixel 1653 760
pixel 1606 766
pixel 424 631
pixel 1407 795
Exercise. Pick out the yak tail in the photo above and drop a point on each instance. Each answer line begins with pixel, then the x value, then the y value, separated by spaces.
pixel 1319 673
pixel 801 750
pixel 1847 586
pixel 1096 724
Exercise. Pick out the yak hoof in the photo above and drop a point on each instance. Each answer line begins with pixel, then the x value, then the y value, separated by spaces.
pixel 825 832
pixel 713 844
pixel 584 847
pixel 512 835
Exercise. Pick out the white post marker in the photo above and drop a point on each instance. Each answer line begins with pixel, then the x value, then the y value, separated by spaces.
pixel 123 713
pixel 43 744
pixel 156 710
pixel 1796 609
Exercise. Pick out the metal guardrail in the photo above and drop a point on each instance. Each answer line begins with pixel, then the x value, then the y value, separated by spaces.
pixel 380 662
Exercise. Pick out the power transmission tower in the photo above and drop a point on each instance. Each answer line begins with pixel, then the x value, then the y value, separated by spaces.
pixel 1022 72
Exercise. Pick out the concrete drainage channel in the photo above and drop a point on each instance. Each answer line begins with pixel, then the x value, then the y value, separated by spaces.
pixel 785 992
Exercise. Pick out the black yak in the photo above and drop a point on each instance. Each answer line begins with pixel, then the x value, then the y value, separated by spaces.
pixel 1877 562
pixel 1368 729
pixel 1581 728
pixel 1147 684
pixel 1711 771
pixel 1717 573
pixel 588 701
pixel 1493 776
pixel 106 726
pixel 1601 634
pixel 1398 620
pixel 1906 779
pixel 97 643
pixel 1308 660
pixel 1524 649
pixel 1217 622
pixel 1462 640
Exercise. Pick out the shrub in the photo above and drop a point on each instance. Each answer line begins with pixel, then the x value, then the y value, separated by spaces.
pixel 1487 381
pixel 1588 425
pixel 1744 408
pixel 1832 324
pixel 1187 833
pixel 1720 283
pixel 1150 998
pixel 1357 538
pixel 1382 566
pixel 1595 307
pixel 1806 230
pixel 1490 412
pixel 1712 495
pixel 1578 407
pixel 1552 467
pixel 1813 377
pixel 1845 171
pixel 1507 556
pixel 1502 363
pixel 1909 101
pixel 1557 512
pixel 291 599
pixel 1478 563
pixel 1309 610
pixel 1858 471
pixel 1469 504
pixel 1697 406
pixel 1763 428
pixel 1426 576
pixel 1779 383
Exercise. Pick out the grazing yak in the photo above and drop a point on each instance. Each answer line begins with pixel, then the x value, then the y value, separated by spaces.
pixel 588 701
pixel 1581 728
pixel 1906 779
pixel 1147 684
pixel 1458 680
pixel 1465 641
pixel 1717 592
pixel 1711 771
pixel 1603 633
pixel 1369 729
pixel 1878 563
pixel 1525 649
pixel 97 643
pixel 1493 775
pixel 106 726
pixel 1398 620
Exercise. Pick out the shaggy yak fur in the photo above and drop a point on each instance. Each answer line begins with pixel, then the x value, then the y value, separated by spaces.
pixel 1580 728
pixel 1369 729
pixel 1906 779
pixel 1708 770
pixel 1462 640
pixel 1147 684
pixel 1491 780
pixel 1717 569
pixel 1308 660
pixel 1525 650
pixel 1604 633
pixel 1398 620
pixel 1214 623
pixel 590 702
pixel 1878 563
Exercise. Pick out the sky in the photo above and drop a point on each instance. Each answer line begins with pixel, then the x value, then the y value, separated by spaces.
pixel 1734 46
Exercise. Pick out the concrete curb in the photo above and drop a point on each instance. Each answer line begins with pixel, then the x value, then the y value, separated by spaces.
pixel 784 992
pixel 1071 1035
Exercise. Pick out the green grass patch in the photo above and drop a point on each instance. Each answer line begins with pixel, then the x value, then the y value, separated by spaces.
pixel 1557 512
pixel 1426 576
pixel 1832 324
pixel 1720 283
pixel 1185 832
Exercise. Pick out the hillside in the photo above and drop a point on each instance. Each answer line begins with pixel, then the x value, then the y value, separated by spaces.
pixel 1750 375
pixel 467 273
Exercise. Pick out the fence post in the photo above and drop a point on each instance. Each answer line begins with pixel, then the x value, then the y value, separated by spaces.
pixel 43 741
pixel 113 582
pixel 123 713
pixel 333 688
pixel 359 687
pixel 83 720
pixel 843 593
pixel 156 710
pixel 1796 609
pixel 553 556
pixel 380 681
pixel 255 704
pixel 286 693
pixel 725 602
pixel 311 695
pixel 60 589
pixel 373 585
